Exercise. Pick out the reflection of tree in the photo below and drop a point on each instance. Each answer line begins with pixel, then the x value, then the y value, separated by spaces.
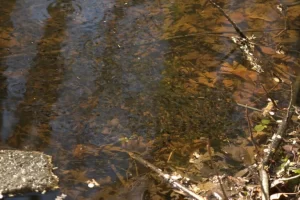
pixel 6 8
pixel 123 79
pixel 44 79
pixel 197 61
pixel 193 110
pixel 193 102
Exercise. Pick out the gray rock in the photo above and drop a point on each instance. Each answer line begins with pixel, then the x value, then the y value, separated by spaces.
pixel 25 171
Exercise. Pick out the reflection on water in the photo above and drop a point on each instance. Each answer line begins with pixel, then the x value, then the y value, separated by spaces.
pixel 71 76
pixel 93 72
pixel 17 54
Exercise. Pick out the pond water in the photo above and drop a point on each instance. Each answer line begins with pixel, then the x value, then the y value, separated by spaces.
pixel 78 75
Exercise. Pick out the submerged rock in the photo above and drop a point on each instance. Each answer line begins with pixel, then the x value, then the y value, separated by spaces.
pixel 25 171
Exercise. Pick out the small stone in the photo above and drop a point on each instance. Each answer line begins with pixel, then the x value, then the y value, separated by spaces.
pixel 276 79
pixel 91 185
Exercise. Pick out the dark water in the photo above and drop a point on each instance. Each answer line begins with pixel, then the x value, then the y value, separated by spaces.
pixel 94 72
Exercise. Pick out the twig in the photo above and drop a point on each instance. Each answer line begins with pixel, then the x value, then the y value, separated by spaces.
pixel 280 180
pixel 216 172
pixel 170 156
pixel 277 137
pixel 290 178
pixel 243 42
pixel 267 94
pixel 250 131
pixel 283 12
pixel 264 184
pixel 120 177
pixel 246 106
pixel 166 177
pixel 281 132
pixel 237 29
pixel 136 169
pixel 285 27
pixel 277 195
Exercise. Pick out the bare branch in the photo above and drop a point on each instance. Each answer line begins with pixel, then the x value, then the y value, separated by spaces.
pixel 237 29
pixel 281 132
pixel 166 177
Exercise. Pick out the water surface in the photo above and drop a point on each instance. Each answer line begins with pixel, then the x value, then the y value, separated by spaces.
pixel 94 73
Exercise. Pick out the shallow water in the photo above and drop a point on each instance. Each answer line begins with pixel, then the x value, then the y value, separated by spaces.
pixel 96 72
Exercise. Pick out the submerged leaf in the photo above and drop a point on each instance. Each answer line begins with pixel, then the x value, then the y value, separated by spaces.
pixel 259 127
pixel 297 171
pixel 265 121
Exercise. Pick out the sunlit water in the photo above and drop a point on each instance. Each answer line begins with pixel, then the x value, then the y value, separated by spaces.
pixel 94 72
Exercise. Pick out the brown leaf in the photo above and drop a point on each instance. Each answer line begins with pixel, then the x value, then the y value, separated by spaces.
pixel 260 137
pixel 240 154
pixel 228 83
pixel 114 122
pixel 237 17
pixel 80 150
pixel 106 131
pixel 290 148
pixel 239 70
pixel 191 55
pixel 267 50
pixel 79 175
pixel 208 79
pixel 262 11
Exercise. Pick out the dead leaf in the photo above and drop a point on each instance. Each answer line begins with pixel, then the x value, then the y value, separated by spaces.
pixel 268 50
pixel 266 110
pixel 260 137
pixel 240 71
pixel 105 180
pixel 290 148
pixel 262 11
pixel 237 17
pixel 228 83
pixel 239 154
pixel 191 55
pixel 208 79
pixel 79 175
pixel 80 150
pixel 114 122
pixel 106 131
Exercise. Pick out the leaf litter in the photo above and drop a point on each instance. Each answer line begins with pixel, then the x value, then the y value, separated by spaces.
pixel 203 79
